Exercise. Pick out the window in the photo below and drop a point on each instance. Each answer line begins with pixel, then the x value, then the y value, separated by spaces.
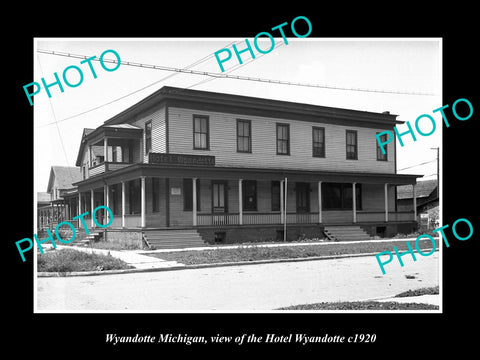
pixel 249 192
pixel 283 139
pixel 188 194
pixel 352 145
pixel 148 137
pixel 338 196
pixel 200 132
pixel 134 196
pixel 244 136
pixel 318 142
pixel 380 155
pixel 275 195
pixel 219 197
pixel 155 194
pixel 115 195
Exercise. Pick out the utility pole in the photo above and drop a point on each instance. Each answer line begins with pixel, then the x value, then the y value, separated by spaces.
pixel 438 170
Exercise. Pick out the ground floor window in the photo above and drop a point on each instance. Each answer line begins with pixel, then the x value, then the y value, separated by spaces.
pixel 249 191
pixel 155 194
pixel 188 194
pixel 339 196
pixel 115 198
pixel 275 186
pixel 134 196
pixel 219 196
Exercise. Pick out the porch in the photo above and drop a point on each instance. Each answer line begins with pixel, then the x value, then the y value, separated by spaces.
pixel 171 202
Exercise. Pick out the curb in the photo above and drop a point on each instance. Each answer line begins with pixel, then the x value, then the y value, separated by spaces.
pixel 199 266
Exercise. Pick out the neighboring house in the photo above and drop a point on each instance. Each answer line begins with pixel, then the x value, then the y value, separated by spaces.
pixel 427 201
pixel 221 164
pixel 60 202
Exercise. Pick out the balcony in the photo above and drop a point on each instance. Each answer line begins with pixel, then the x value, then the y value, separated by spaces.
pixel 106 166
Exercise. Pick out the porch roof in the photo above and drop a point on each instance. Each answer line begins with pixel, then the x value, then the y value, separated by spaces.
pixel 135 171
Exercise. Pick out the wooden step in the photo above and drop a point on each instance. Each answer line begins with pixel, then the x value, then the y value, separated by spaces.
pixel 171 238
pixel 346 233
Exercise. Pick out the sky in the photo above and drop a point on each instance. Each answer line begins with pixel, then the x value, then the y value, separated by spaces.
pixel 411 65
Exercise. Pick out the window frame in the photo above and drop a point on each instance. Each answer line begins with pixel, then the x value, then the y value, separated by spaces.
pixel 323 155
pixel 381 156
pixel 188 200
pixel 245 183
pixel 249 137
pixel 347 144
pixel 274 196
pixel 287 126
pixel 207 133
pixel 148 136
pixel 343 199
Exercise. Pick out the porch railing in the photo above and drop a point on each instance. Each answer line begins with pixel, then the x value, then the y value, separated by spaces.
pixel 216 219
pixel 255 219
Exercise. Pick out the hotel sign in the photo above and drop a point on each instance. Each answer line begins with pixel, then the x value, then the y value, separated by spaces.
pixel 181 159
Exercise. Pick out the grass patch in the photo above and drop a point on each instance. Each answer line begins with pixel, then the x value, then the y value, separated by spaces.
pixel 253 253
pixel 362 305
pixel 418 292
pixel 67 260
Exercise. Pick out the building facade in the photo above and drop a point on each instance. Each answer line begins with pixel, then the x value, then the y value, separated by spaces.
pixel 238 168
pixel 60 202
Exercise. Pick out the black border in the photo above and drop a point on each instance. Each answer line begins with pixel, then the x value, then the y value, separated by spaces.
pixel 66 334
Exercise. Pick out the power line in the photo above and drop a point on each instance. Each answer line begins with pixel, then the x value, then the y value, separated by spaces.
pixel 427 162
pixel 56 123
pixel 234 77
pixel 133 92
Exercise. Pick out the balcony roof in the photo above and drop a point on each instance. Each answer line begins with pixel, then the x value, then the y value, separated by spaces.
pixel 93 136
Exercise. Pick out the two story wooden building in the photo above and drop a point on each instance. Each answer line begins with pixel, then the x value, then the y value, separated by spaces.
pixel 238 168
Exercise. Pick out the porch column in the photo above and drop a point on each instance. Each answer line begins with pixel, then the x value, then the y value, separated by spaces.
pixel 240 202
pixel 194 201
pixel 89 158
pixel 79 206
pixel 105 152
pixel 386 202
pixel 414 202
pixel 107 203
pixel 142 178
pixel 123 204
pixel 282 215
pixel 354 202
pixel 91 208
pixel 319 202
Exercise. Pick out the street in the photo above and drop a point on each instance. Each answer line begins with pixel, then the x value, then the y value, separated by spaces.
pixel 236 288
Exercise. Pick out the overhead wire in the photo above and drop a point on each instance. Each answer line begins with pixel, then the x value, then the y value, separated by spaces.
pixel 235 77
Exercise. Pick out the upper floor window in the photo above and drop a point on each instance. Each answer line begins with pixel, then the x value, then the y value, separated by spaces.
pixel 200 132
pixel 351 141
pixel 283 139
pixel 244 136
pixel 318 142
pixel 148 137
pixel 380 155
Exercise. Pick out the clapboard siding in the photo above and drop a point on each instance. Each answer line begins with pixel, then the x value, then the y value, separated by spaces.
pixel 159 143
pixel 223 143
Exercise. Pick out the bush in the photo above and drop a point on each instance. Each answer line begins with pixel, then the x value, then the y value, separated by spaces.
pixel 67 260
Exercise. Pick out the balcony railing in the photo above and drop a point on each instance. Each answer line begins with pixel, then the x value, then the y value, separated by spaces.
pixel 106 166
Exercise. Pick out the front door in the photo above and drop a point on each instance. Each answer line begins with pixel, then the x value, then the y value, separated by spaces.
pixel 219 197
pixel 303 197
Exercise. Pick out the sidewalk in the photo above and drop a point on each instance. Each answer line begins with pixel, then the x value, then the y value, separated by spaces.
pixel 131 257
